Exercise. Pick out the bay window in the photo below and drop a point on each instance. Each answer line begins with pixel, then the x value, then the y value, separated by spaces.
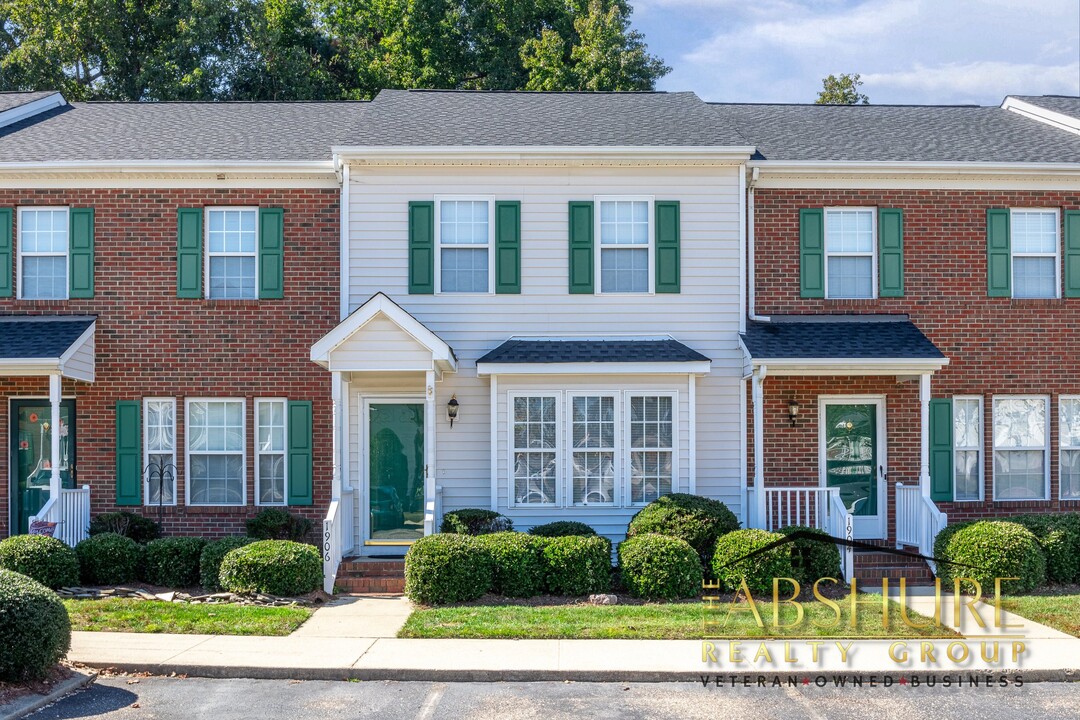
pixel 535 449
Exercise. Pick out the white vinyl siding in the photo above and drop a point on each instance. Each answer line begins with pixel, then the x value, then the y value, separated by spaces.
pixel 43 253
pixel 1033 237
pixel 232 253
pixel 159 451
pixel 464 241
pixel 271 440
pixel 1069 441
pixel 967 448
pixel 624 229
pixel 216 469
pixel 1021 447
pixel 850 253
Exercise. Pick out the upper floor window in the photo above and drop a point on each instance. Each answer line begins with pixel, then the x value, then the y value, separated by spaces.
pixel 624 227
pixel 850 255
pixel 43 253
pixel 1021 447
pixel 1034 242
pixel 464 240
pixel 232 251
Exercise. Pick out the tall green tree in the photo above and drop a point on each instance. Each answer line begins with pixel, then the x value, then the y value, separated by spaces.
pixel 842 90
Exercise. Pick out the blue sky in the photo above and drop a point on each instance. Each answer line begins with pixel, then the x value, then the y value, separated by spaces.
pixel 907 51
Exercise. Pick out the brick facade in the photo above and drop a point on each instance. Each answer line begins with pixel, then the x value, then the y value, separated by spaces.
pixel 151 344
pixel 995 345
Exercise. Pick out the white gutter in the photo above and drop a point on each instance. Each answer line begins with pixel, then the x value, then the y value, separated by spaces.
pixel 846 167
pixel 752 292
pixel 319 167
pixel 1038 113
pixel 850 366
pixel 734 153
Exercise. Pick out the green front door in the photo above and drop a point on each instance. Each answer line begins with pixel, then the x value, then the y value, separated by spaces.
pixel 851 461
pixel 31 457
pixel 395 437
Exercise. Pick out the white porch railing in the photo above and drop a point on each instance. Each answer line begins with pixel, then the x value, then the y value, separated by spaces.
pixel 70 512
pixel 918 520
pixel 842 525
pixel 331 545
pixel 815 507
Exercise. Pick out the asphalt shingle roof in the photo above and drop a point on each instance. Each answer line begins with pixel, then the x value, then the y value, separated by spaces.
pixel 28 337
pixel 1064 104
pixel 899 133
pixel 436 118
pixel 592 351
pixel 839 337
pixel 12 100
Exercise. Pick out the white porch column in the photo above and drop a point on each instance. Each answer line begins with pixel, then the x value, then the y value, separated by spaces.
pixel 758 396
pixel 54 446
pixel 336 444
pixel 924 435
pixel 429 452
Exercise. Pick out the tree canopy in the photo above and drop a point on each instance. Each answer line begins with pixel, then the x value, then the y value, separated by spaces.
pixel 317 49
pixel 842 90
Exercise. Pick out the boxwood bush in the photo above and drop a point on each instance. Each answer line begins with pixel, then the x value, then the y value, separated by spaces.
pixel 992 549
pixel 812 560
pixel 274 567
pixel 577 565
pixel 474 521
pixel 447 568
pixel 1059 537
pixel 139 528
pixel 562 528
pixel 659 567
pixel 211 556
pixel 278 524
pixel 697 520
pixel 173 562
pixel 729 567
pixel 517 563
pixel 109 559
pixel 35 632
pixel 45 559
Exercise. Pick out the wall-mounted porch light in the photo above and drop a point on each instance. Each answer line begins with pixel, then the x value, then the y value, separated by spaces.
pixel 793 408
pixel 452 409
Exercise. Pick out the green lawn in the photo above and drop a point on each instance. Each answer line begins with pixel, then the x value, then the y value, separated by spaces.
pixel 669 621
pixel 1061 612
pixel 151 616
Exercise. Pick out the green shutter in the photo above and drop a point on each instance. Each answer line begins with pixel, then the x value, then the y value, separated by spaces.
pixel 668 256
pixel 300 466
pixel 941 449
pixel 508 247
pixel 421 247
pixel 6 266
pixel 581 247
pixel 998 258
pixel 812 253
pixel 271 253
pixel 1072 253
pixel 81 253
pixel 128 452
pixel 189 255
pixel 890 252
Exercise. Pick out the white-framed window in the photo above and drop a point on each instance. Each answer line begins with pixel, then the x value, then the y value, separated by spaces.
pixel 231 269
pixel 1021 447
pixel 592 449
pixel 216 469
pixel 1036 266
pixel 624 251
pixel 1069 447
pixel 464 240
pixel 535 448
pixel 271 440
pixel 43 253
pixel 652 423
pixel 967 448
pixel 159 451
pixel 850 253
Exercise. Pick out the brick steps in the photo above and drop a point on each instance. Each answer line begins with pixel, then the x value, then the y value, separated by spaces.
pixel 358 575
pixel 871 567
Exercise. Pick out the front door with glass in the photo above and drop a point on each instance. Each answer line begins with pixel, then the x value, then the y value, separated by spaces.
pixel 851 462
pixel 32 427
pixel 395 472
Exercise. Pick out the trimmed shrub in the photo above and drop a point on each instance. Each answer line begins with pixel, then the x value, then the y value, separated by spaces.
pixel 109 559
pixel 173 562
pixel 576 565
pixel 697 520
pixel 758 571
pixel 274 567
pixel 474 521
pixel 211 556
pixel 40 558
pixel 1059 537
pixel 562 528
pixel 812 560
pixel 139 528
pixel 992 549
pixel 517 563
pixel 447 568
pixel 35 632
pixel 278 524
pixel 660 567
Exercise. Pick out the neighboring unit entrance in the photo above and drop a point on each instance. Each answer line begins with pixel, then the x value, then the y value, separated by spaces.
pixel 31 457
pixel 852 459
pixel 394 438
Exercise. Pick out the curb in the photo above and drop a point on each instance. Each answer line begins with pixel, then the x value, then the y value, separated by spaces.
pixel 25 706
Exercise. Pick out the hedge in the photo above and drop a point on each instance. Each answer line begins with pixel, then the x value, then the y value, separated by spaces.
pixel 659 567
pixel 730 569
pixel 274 567
pixel 173 562
pixel 577 565
pixel 475 521
pixel 811 560
pixel 697 520
pixel 447 568
pixel 41 558
pixel 1059 537
pixel 517 563
pixel 211 557
pixel 139 528
pixel 35 632
pixel 989 549
pixel 278 524
pixel 562 528
pixel 109 559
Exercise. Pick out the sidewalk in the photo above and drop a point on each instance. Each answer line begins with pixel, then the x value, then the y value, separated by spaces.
pixel 354 638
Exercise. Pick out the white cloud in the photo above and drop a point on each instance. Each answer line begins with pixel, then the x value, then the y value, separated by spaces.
pixel 956 82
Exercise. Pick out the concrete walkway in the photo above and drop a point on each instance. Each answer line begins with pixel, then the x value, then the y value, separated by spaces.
pixel 354 638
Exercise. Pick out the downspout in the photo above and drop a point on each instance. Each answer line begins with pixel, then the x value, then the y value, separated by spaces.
pixel 758 397
pixel 752 291
pixel 343 253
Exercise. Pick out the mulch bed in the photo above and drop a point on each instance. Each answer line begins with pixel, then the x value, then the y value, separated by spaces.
pixel 10 692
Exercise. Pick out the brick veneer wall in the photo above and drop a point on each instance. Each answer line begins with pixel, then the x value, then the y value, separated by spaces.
pixel 995 345
pixel 151 344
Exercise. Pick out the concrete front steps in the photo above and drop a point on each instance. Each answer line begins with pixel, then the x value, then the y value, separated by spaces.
pixel 871 567
pixel 367 576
